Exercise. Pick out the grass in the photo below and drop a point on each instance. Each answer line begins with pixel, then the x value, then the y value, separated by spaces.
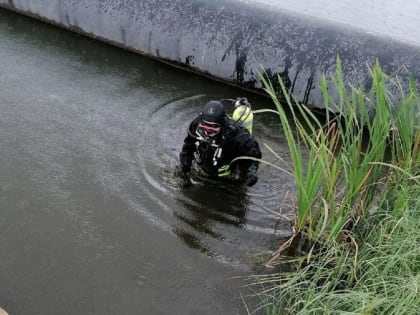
pixel 349 154
pixel 380 276
pixel 357 205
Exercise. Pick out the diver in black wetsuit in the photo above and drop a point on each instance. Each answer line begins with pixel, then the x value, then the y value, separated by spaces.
pixel 214 141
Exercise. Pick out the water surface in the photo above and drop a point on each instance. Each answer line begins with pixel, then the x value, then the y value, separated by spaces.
pixel 92 218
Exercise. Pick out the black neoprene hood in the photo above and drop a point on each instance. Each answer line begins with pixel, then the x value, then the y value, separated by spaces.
pixel 214 112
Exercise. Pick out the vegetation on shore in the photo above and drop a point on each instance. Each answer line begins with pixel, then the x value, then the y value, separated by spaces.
pixel 357 210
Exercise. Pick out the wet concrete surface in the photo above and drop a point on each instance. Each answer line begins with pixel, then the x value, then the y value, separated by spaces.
pixel 92 218
pixel 238 40
pixel 394 19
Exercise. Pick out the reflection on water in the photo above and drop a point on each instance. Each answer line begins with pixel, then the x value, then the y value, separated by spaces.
pixel 207 204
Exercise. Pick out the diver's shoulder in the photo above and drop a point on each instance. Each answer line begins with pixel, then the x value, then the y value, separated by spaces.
pixel 236 131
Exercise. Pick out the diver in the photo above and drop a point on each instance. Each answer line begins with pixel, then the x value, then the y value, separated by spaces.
pixel 221 147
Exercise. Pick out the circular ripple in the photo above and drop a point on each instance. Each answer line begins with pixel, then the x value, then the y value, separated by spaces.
pixel 227 222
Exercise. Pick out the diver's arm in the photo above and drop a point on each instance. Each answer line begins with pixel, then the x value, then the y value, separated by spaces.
pixel 248 146
pixel 251 177
pixel 186 156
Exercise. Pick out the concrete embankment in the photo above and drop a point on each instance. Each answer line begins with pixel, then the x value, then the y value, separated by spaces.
pixel 234 40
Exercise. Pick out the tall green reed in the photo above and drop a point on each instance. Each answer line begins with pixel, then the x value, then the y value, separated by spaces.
pixel 381 277
pixel 349 152
pixel 364 167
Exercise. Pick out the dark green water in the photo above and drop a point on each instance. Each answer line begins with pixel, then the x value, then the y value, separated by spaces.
pixel 92 220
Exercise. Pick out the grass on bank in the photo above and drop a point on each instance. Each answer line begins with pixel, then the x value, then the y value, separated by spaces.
pixel 381 277
pixel 356 202
pixel 349 156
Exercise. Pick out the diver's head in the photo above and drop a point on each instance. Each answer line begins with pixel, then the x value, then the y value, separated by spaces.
pixel 212 119
pixel 214 112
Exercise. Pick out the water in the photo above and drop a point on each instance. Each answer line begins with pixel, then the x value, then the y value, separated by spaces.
pixel 92 218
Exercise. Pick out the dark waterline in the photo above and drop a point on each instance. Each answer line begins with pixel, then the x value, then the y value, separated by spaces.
pixel 92 219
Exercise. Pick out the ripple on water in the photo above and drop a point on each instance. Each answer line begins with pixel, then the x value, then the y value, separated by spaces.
pixel 226 222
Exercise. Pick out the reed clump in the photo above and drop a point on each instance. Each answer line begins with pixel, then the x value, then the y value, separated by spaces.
pixel 351 157
pixel 356 206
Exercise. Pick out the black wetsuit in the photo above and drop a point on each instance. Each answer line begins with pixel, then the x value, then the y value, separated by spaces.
pixel 214 155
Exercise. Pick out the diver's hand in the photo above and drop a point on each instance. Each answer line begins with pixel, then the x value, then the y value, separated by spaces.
pixel 186 178
pixel 251 180
pixel 251 177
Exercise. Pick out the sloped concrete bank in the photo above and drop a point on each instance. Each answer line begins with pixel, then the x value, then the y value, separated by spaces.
pixel 232 40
